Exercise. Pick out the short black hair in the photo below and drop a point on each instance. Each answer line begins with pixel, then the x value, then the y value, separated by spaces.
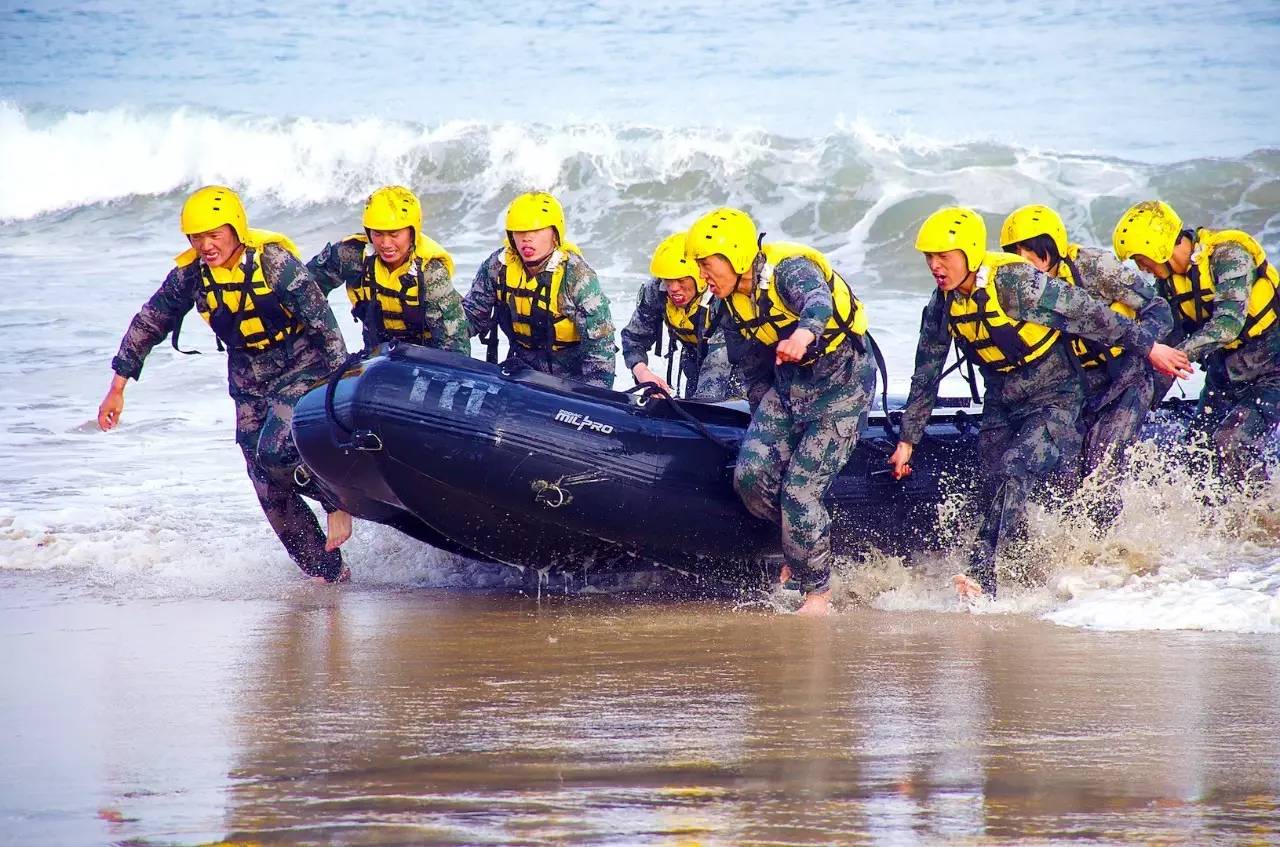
pixel 1041 245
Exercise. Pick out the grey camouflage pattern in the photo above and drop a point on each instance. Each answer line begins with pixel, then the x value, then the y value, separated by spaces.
pixel 1118 392
pixel 581 297
pixel 1025 294
pixel 1030 415
pixel 1028 435
pixel 1243 383
pixel 786 465
pixel 708 377
pixel 264 386
pixel 445 325
pixel 808 393
pixel 1233 271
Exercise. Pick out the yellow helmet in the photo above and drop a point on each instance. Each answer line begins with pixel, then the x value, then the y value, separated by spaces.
pixel 1030 221
pixel 669 260
pixel 726 232
pixel 536 210
pixel 954 228
pixel 210 208
pixel 392 207
pixel 1150 229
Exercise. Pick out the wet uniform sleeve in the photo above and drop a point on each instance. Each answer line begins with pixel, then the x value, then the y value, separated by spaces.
pixel 582 297
pixel 337 264
pixel 298 292
pixel 156 319
pixel 1026 294
pixel 442 309
pixel 1114 282
pixel 482 299
pixel 931 359
pixel 803 288
pixel 1234 272
pixel 645 327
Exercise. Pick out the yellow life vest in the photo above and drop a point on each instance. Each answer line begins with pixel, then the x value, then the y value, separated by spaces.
pixel 690 324
pixel 1193 292
pixel 530 306
pixel 991 337
pixel 390 301
pixel 238 303
pixel 1091 353
pixel 762 316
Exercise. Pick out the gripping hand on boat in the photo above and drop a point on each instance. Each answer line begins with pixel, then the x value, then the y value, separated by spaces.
pixel 901 459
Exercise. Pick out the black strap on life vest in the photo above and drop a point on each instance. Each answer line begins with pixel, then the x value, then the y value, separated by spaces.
pixel 1251 321
pixel 1094 353
pixel 218 318
pixel 970 376
pixel 889 428
pixel 541 324
pixel 766 315
pixel 1010 335
pixel 369 311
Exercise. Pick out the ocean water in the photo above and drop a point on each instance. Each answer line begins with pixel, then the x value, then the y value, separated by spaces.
pixel 841 125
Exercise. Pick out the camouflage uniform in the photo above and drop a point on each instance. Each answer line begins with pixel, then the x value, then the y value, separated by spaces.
pixel 1244 383
pixel 804 424
pixel 1118 392
pixel 591 360
pixel 1029 414
pixel 264 385
pixel 444 324
pixel 708 376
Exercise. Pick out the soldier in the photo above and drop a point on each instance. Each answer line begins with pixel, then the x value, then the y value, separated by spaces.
pixel 1119 385
pixel 1224 293
pixel 797 329
pixel 546 298
pixel 399 281
pixel 678 297
pixel 280 338
pixel 1009 319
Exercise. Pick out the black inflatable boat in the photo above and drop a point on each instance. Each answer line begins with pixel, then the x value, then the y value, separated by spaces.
pixel 518 467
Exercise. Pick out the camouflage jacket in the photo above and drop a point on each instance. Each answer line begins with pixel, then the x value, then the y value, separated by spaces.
pixel 1233 271
pixel 827 389
pixel 1025 294
pixel 289 280
pixel 444 324
pixel 646 326
pixel 1103 276
pixel 581 299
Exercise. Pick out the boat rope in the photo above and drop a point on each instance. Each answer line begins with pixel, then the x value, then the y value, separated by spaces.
pixel 652 389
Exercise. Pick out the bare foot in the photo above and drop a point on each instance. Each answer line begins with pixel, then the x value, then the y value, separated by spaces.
pixel 966 587
pixel 816 605
pixel 344 575
pixel 339 526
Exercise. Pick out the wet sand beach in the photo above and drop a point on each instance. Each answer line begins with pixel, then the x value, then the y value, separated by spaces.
pixel 322 715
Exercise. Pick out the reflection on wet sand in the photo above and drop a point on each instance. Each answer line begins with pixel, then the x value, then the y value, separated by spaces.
pixel 432 719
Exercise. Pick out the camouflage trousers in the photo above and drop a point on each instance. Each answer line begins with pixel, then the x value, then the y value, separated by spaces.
pixel 786 466
pixel 1117 398
pixel 1021 447
pixel 1246 415
pixel 264 433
